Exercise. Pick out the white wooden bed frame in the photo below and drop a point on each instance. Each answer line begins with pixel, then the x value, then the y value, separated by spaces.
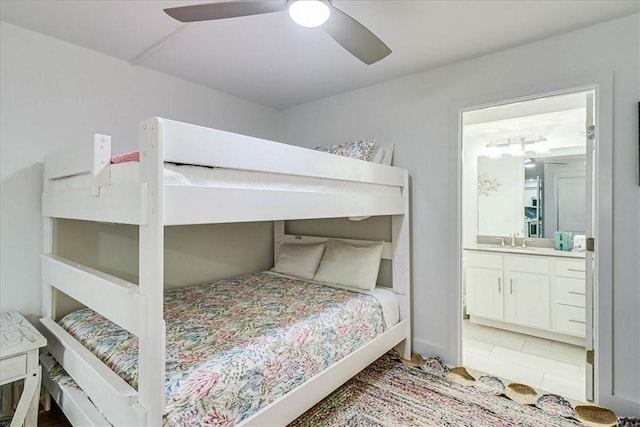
pixel 151 205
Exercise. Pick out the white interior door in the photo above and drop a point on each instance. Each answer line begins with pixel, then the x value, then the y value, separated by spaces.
pixel 590 266
pixel 571 196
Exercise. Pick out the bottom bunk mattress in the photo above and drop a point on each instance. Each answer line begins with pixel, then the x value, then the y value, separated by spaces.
pixel 236 345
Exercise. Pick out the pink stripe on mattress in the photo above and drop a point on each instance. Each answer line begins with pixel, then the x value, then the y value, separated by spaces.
pixel 134 156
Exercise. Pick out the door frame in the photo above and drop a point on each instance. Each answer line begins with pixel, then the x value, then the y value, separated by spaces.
pixel 602 86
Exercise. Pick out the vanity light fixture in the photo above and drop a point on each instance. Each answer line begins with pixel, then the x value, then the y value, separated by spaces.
pixel 516 149
pixel 517 146
pixel 541 146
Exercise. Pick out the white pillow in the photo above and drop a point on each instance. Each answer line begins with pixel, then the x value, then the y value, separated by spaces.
pixel 382 154
pixel 350 265
pixel 299 259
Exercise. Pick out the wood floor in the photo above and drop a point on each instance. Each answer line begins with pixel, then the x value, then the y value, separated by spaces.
pixel 52 418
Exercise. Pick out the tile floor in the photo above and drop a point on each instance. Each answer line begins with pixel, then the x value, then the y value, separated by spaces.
pixel 546 365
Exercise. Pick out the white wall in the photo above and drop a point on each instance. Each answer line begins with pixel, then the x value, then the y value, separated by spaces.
pixel 54 95
pixel 416 114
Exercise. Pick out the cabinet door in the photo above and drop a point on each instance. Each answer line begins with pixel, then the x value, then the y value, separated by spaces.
pixel 527 299
pixel 485 293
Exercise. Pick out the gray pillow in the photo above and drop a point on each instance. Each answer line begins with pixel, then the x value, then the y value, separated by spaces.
pixel 299 259
pixel 350 265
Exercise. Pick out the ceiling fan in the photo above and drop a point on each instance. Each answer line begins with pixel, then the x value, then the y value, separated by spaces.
pixel 349 33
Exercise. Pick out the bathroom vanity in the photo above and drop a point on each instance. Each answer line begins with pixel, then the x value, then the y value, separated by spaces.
pixel 536 291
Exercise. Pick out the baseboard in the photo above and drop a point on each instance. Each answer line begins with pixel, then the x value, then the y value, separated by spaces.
pixel 550 335
pixel 431 349
pixel 625 407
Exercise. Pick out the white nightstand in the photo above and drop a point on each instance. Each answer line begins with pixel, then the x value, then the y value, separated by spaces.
pixel 19 344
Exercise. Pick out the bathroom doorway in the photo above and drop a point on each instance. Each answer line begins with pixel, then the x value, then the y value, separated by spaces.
pixel 526 211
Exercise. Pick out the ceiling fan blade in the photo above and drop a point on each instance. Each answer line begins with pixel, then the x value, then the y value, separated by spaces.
pixel 355 37
pixel 222 10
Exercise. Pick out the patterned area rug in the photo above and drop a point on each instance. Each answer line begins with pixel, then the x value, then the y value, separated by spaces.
pixel 389 393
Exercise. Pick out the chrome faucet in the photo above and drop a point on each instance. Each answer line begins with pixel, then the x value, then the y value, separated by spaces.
pixel 513 240
pixel 501 240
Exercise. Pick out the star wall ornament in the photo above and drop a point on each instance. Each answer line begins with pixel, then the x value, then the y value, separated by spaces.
pixel 486 185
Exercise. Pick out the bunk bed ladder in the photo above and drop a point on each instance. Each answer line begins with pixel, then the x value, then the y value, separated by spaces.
pixel 109 392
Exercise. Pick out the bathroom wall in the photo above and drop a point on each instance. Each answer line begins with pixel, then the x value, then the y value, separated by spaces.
pixel 500 196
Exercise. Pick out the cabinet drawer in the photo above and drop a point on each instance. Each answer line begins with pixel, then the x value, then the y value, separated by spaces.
pixel 570 291
pixel 570 320
pixel 13 368
pixel 483 260
pixel 565 268
pixel 528 264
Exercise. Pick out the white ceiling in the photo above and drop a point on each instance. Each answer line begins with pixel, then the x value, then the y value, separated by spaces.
pixel 560 119
pixel 525 108
pixel 269 60
pixel 561 129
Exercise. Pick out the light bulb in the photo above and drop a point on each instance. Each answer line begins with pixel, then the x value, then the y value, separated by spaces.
pixel 309 13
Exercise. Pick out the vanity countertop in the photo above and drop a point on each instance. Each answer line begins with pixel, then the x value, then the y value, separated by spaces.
pixel 523 251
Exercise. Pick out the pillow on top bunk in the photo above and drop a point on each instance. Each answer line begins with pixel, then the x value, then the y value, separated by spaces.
pixel 350 265
pixel 360 150
pixel 299 259
pixel 382 154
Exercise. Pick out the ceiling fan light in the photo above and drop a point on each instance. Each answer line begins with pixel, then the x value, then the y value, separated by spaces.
pixel 309 13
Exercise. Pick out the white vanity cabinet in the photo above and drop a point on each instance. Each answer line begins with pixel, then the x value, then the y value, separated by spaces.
pixel 485 282
pixel 533 294
pixel 508 288
pixel 527 294
pixel 570 297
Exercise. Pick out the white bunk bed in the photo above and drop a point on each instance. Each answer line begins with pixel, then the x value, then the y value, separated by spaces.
pixel 319 185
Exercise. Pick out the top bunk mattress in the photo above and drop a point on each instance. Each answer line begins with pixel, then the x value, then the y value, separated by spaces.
pixel 202 176
pixel 236 345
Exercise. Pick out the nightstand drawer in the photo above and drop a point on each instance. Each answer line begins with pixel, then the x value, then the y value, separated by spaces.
pixel 13 368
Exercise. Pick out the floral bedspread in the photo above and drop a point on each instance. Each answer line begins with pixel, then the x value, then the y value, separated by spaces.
pixel 236 345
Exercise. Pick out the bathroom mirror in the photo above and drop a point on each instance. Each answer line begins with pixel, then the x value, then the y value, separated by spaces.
pixel 532 196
